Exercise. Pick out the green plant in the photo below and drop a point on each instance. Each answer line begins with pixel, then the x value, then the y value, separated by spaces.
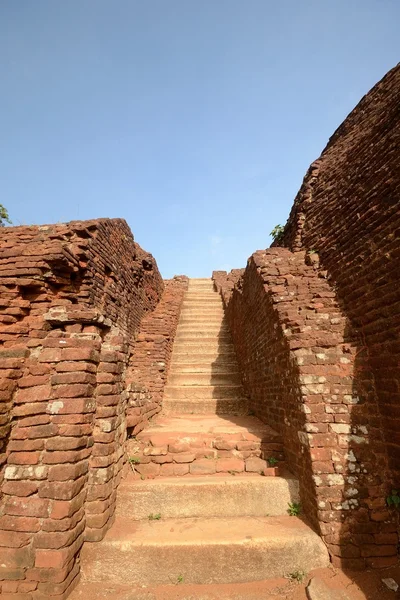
pixel 135 460
pixel 277 233
pixel 393 499
pixel 294 509
pixel 179 579
pixel 311 251
pixel 154 517
pixel 297 576
pixel 272 461
pixel 4 218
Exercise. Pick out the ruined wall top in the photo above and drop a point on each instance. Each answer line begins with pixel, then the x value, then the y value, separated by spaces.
pixel 92 263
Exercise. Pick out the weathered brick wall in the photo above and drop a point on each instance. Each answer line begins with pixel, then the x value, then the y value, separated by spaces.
pixel 348 210
pixel 148 368
pixel 71 301
pixel 298 368
pixel 346 217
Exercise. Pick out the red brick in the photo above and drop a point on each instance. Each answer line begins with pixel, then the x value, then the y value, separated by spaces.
pixel 29 507
pixel 33 394
pixel 229 464
pixel 203 467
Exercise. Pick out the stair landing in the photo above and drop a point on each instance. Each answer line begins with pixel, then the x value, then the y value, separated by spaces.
pixel 204 445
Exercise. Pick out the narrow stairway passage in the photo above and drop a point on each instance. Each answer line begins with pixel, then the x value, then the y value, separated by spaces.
pixel 196 509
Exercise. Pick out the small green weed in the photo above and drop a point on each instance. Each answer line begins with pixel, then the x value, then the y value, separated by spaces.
pixel 277 233
pixel 134 460
pixel 155 517
pixel 298 576
pixel 179 579
pixel 294 509
pixel 393 499
pixel 272 461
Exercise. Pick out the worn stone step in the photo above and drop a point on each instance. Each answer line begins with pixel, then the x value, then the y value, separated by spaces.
pixel 207 436
pixel 221 406
pixel 202 320
pixel 201 287
pixel 201 379
pixel 203 367
pixel 199 336
pixel 205 325
pixel 202 347
pixel 200 294
pixel 203 431
pixel 200 392
pixel 205 358
pixel 277 588
pixel 203 329
pixel 223 496
pixel 203 550
pixel 205 306
pixel 212 300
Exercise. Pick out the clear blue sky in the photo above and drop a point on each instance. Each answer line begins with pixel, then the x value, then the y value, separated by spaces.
pixel 195 120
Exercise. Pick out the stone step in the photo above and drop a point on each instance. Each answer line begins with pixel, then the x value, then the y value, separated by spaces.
pixel 202 550
pixel 204 431
pixel 201 346
pixel 204 300
pixel 202 308
pixel 202 317
pixel 204 445
pixel 196 336
pixel 203 367
pixel 196 306
pixel 205 330
pixel 204 358
pixel 200 294
pixel 206 326
pixel 200 392
pixel 268 589
pixel 203 320
pixel 224 496
pixel 201 379
pixel 221 406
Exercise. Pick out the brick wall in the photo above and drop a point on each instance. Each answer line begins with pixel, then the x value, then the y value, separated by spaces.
pixel 298 367
pixel 148 368
pixel 72 298
pixel 348 210
pixel 341 416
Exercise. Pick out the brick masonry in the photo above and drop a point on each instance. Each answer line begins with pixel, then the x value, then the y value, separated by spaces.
pixel 72 300
pixel 148 368
pixel 316 329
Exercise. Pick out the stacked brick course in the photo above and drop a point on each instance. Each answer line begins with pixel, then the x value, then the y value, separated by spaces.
pixel 352 218
pixel 148 368
pixel 298 368
pixel 348 210
pixel 319 344
pixel 72 298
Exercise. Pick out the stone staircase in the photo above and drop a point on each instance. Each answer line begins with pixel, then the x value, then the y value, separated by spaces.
pixel 195 508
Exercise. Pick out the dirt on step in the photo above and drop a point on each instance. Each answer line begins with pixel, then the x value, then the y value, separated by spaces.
pixel 366 585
